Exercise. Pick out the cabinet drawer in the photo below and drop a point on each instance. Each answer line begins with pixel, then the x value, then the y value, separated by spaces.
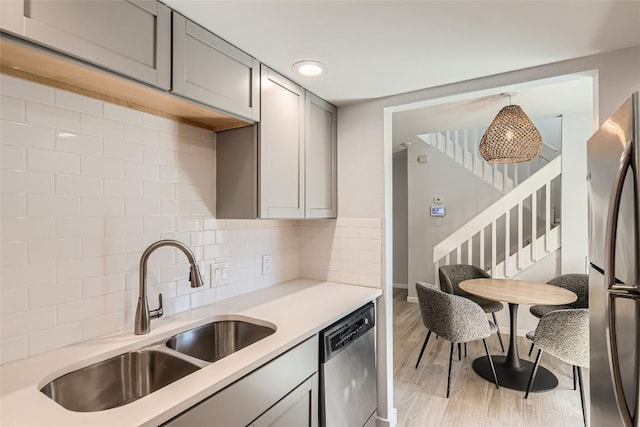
pixel 207 69
pixel 131 37
pixel 246 399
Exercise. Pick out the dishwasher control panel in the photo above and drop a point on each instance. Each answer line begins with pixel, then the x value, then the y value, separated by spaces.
pixel 346 330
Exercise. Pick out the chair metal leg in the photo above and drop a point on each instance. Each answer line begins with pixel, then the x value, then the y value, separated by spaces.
pixel 449 377
pixel 498 333
pixel 574 376
pixel 533 373
pixel 459 351
pixel 531 351
pixel 493 369
pixel 582 401
pixel 465 349
pixel 426 340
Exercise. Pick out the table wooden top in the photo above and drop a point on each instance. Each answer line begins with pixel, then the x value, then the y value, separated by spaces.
pixel 518 291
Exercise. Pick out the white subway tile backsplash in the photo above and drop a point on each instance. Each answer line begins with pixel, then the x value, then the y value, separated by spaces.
pixel 52 117
pixel 122 188
pixel 42 341
pixel 27 228
pixel 13 253
pixel 12 108
pixel 14 349
pixel 101 325
pixel 41 251
pixel 103 285
pixel 69 227
pixel 141 172
pixel 75 185
pixel 102 245
pixel 40 205
pixel 26 135
pixel 86 187
pixel 26 322
pixel 122 150
pixel 52 161
pixel 102 206
pixel 158 190
pixel 70 142
pixel 54 294
pixel 79 268
pixel 158 224
pixel 13 300
pixel 121 226
pixel 79 310
pixel 142 207
pixel 13 205
pixel 100 166
pixel 122 114
pixel 80 103
pixel 24 89
pixel 18 181
pixel 141 135
pixel 99 126
pixel 13 157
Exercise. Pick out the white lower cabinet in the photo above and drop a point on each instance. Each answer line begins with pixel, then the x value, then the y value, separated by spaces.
pixel 281 393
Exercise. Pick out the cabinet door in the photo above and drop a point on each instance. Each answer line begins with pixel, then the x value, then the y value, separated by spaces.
pixel 210 70
pixel 281 147
pixel 321 134
pixel 132 37
pixel 297 409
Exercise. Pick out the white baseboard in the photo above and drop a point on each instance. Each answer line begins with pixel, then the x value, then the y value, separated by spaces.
pixel 412 299
pixel 400 286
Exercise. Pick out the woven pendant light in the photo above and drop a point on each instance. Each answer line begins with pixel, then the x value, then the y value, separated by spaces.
pixel 511 138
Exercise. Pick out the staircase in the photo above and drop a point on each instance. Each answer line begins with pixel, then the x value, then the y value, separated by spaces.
pixel 462 146
pixel 516 231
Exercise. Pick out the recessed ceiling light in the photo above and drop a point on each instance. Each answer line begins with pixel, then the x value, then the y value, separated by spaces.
pixel 308 68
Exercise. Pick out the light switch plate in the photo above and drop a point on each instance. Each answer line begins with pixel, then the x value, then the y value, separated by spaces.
pixel 267 266
pixel 220 273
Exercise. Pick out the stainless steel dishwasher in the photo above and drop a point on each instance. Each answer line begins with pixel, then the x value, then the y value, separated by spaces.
pixel 348 396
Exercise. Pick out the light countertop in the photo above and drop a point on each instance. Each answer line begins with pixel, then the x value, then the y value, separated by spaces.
pixel 299 309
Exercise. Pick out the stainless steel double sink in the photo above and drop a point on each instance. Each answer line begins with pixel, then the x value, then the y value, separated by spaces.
pixel 125 378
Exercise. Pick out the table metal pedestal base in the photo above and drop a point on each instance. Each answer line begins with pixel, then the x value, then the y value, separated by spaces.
pixel 515 378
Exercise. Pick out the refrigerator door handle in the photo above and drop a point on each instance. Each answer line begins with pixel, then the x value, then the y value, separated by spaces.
pixel 612 222
pixel 628 419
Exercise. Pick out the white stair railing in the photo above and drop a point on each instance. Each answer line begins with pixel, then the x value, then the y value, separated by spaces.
pixel 462 147
pixel 509 261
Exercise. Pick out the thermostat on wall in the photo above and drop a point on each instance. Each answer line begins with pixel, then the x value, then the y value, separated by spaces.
pixel 438 210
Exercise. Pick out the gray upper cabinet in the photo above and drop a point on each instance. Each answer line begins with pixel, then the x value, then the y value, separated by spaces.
pixel 132 38
pixel 209 70
pixel 281 152
pixel 320 141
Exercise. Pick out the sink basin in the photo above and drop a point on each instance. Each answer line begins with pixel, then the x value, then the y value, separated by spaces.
pixel 216 340
pixel 117 381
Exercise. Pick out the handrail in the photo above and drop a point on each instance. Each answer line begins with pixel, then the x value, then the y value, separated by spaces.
pixel 525 189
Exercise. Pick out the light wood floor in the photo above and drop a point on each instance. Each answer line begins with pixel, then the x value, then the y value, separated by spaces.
pixel 420 394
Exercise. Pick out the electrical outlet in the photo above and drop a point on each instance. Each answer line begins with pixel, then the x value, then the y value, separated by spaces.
pixel 267 267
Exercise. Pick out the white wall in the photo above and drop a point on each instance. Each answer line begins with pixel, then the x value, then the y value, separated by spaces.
pixel 364 160
pixel 400 219
pixel 463 193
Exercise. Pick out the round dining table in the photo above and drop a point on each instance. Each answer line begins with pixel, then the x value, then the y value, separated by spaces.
pixel 513 372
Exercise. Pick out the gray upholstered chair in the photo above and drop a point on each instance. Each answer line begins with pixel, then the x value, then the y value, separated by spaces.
pixel 565 335
pixel 453 318
pixel 576 283
pixel 452 275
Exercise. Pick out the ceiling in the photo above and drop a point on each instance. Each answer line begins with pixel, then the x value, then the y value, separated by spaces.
pixel 379 48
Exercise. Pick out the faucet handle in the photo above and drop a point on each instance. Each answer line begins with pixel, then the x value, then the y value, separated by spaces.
pixel 157 313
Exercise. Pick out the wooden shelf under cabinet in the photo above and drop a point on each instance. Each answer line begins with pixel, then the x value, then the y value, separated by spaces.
pixel 40 65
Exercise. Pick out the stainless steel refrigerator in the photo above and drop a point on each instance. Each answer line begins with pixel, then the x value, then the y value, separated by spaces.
pixel 614 251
